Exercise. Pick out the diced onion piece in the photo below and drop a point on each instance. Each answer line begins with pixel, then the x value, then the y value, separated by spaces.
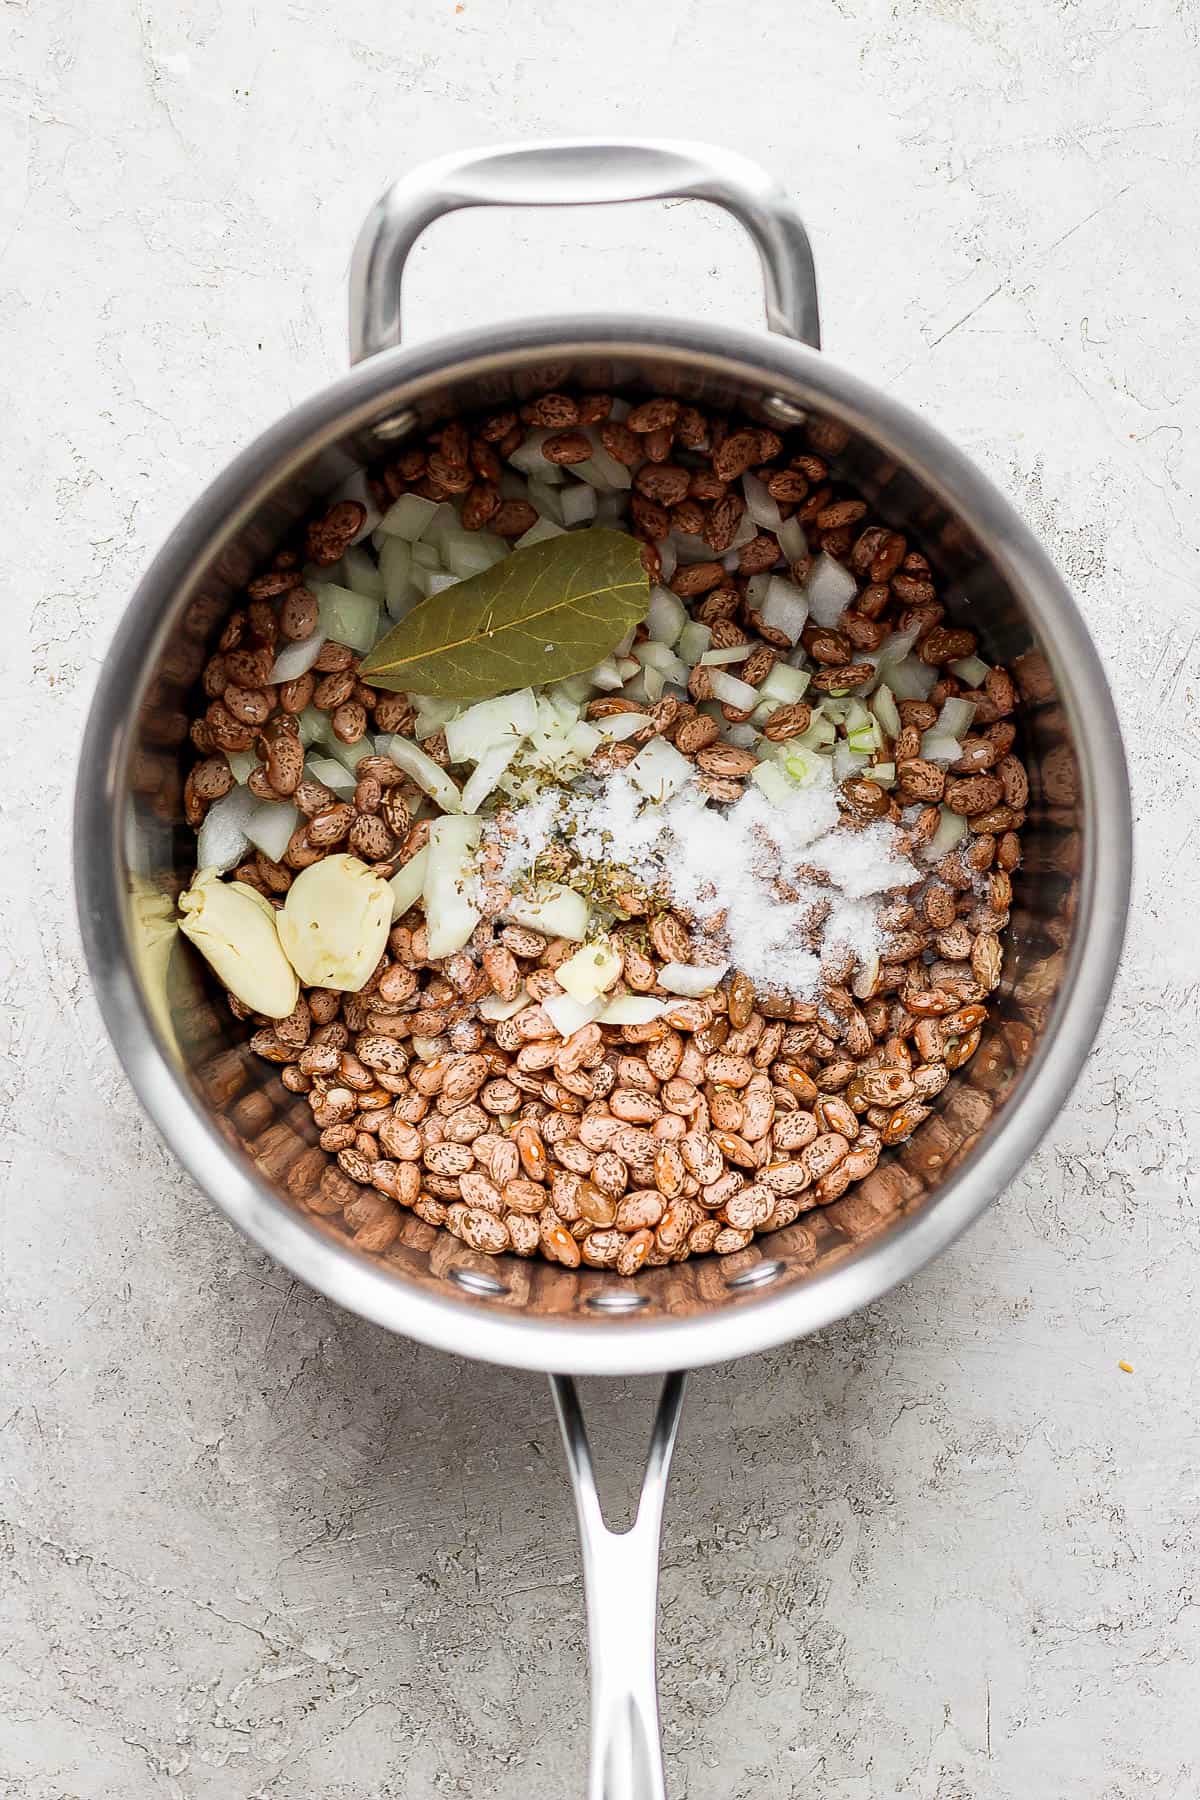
pixel 222 840
pixel 847 762
pixel 349 755
pixel 578 504
pixel 427 1048
pixel 732 692
pixel 528 458
pixel 537 534
pixel 730 653
pixel 567 1014
pixel 883 774
pixel 493 1008
pixel 883 705
pixel 408 517
pixel 425 556
pixel 347 617
pixel 633 1009
pixel 467 553
pixel 610 508
pixel 449 884
pixel 772 780
pixel 550 908
pixel 243 763
pixel 689 548
pixel 601 470
pixel 694 640
pixel 785 685
pixel 746 530
pixel 622 725
pixel 658 656
pixel 605 677
pixel 648 686
pixel 785 608
pixel 590 972
pixel 667 559
pixel 743 737
pixel 435 581
pixel 971 669
pixel 912 679
pixel 759 504
pixel 270 826
pixel 627 666
pixel 792 540
pixel 334 775
pixel 659 771
pixel 547 501
pixel 952 828
pixel 297 659
pixel 895 648
pixel 830 589
pixel 955 717
pixel 479 727
pixel 573 688
pixel 314 726
pixel 938 747
pixel 433 780
pixel 487 773
pixel 666 617
pixel 691 979
pixel 407 883
pixel 395 565
pixel 362 573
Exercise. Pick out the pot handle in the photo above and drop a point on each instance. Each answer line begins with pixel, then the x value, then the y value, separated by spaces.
pixel 579 172
pixel 620 1582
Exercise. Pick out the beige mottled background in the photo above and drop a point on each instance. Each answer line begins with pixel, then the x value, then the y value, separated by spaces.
pixel 252 1549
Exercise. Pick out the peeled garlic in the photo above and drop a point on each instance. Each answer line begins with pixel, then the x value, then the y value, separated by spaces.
pixel 234 929
pixel 590 972
pixel 335 922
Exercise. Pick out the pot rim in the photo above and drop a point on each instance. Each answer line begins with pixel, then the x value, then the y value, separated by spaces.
pixel 758 1320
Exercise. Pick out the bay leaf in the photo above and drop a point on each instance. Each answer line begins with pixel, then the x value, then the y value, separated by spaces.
pixel 551 610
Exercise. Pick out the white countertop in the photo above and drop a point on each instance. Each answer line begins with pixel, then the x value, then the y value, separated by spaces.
pixel 253 1547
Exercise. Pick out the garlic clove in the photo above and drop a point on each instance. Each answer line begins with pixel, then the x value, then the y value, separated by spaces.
pixel 235 930
pixel 335 922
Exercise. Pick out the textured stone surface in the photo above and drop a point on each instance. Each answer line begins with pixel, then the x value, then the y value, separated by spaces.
pixel 252 1547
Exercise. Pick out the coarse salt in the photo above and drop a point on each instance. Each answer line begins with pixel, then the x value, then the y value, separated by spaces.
pixel 771 888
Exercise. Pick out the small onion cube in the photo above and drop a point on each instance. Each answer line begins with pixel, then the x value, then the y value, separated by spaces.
pixel 425 772
pixel 537 534
pixel 567 1014
pixel 221 841
pixel 785 608
pixel 792 540
pixel 971 669
pixel 829 589
pixel 297 659
pixel 938 747
pixel 362 573
pixel 408 517
pixel 407 883
pixel 491 766
pixel 605 677
pixel 691 979
pixel 952 828
pixel 334 775
pixel 449 884
pixel 243 763
pixel 551 908
pixel 632 1009
pixel 759 504
pixel 785 685
pixel 912 679
pixel 666 617
pixel 955 717
pixel 623 725
pixel 729 653
pixel 578 504
pixel 493 1008
pixel 547 501
pixel 347 617
pixel 659 771
pixel 694 640
pixel 732 692
pixel 270 826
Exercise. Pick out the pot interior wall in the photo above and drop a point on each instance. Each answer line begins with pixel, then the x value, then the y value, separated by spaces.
pixel 272 1127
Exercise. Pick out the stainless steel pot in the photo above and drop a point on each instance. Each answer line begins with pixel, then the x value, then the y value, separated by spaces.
pixel 232 1123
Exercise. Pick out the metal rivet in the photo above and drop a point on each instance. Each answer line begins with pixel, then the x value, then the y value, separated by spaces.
pixel 396 425
pixel 617 1300
pixel 786 412
pixel 477 1281
pixel 758 1276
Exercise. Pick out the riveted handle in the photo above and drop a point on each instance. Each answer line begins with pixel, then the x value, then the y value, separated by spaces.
pixel 620 1581
pixel 580 172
